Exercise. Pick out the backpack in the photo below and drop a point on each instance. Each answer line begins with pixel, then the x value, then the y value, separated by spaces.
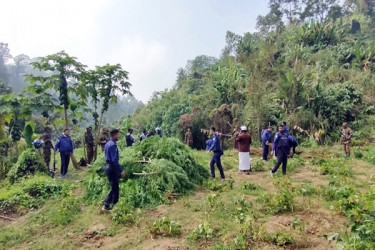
pixel 283 141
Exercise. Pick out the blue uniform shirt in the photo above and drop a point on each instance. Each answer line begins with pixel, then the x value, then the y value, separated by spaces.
pixel 215 146
pixel 277 139
pixel 266 136
pixel 64 145
pixel 112 157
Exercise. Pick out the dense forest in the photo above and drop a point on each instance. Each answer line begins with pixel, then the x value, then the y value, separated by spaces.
pixel 310 63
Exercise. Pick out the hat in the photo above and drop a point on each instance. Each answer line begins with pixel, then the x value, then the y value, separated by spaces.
pixel 243 128
pixel 345 124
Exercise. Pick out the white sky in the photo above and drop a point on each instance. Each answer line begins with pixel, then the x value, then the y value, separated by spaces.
pixel 151 39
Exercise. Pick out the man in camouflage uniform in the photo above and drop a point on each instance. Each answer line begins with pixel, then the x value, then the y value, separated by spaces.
pixel 47 145
pixel 346 136
pixel 189 138
pixel 104 138
pixel 89 141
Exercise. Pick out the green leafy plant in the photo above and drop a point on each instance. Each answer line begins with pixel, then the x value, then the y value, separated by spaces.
pixel 166 228
pixel 30 162
pixel 202 232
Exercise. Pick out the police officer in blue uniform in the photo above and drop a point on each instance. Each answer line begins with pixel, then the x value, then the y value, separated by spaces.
pixel 65 146
pixel 281 145
pixel 216 157
pixel 113 170
pixel 266 140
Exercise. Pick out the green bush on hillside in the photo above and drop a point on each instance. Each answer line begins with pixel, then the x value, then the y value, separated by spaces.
pixel 30 162
pixel 170 170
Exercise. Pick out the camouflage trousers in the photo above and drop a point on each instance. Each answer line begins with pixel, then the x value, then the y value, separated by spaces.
pixel 47 156
pixel 90 153
pixel 347 148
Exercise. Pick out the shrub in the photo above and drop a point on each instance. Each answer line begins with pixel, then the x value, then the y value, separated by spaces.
pixel 30 162
pixel 307 190
pixel 335 166
pixel 249 186
pixel 124 214
pixel 31 193
pixel 257 165
pixel 294 164
pixel 242 210
pixel 166 228
pixel 281 239
pixel 219 186
pixel 282 200
pixel 170 171
pixel 202 232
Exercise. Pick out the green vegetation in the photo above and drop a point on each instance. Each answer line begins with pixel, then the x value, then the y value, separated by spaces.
pixel 166 228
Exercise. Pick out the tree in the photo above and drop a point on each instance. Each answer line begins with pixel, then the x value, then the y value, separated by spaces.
pixel 317 9
pixel 4 57
pixel 4 88
pixel 66 72
pixel 105 83
pixel 21 62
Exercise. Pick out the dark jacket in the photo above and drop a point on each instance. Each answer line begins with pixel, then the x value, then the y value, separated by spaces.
pixel 266 136
pixel 129 139
pixel 292 141
pixel 112 158
pixel 64 145
pixel 244 142
pixel 215 146
pixel 281 142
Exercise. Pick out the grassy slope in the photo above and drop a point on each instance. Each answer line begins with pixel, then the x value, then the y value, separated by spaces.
pixel 90 228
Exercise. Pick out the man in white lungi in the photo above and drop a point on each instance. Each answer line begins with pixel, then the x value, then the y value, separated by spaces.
pixel 244 141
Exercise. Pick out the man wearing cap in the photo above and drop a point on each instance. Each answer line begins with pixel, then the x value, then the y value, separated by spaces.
pixel 89 141
pixel 346 137
pixel 244 141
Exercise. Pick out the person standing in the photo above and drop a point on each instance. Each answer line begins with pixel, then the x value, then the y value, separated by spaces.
pixel 244 142
pixel 104 138
pixel 281 145
pixel 113 170
pixel 217 153
pixel 65 146
pixel 189 138
pixel 235 134
pixel 346 137
pixel 129 138
pixel 143 135
pixel 158 132
pixel 266 140
pixel 47 146
pixel 89 142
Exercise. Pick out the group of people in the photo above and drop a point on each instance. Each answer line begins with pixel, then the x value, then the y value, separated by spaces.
pixel 282 143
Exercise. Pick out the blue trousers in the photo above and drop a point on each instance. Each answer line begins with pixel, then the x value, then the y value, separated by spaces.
pixel 216 159
pixel 114 193
pixel 266 150
pixel 282 159
pixel 65 158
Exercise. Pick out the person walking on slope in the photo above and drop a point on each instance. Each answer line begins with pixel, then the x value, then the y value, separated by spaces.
pixel 216 157
pixel 244 142
pixel 130 138
pixel 143 135
pixel 65 146
pixel 104 138
pixel 89 141
pixel 113 170
pixel 47 146
pixel 158 132
pixel 346 137
pixel 281 145
pixel 266 140
pixel 189 138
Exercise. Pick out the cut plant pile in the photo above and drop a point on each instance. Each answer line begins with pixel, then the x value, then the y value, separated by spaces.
pixel 169 171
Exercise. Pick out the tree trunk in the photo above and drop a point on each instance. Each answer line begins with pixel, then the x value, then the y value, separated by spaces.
pixel 97 135
pixel 66 118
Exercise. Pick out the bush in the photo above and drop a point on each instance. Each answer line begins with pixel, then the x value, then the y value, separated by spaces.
pixel 282 200
pixel 258 165
pixel 31 192
pixel 166 228
pixel 336 166
pixel 30 162
pixel 124 214
pixel 249 186
pixel 202 232
pixel 170 171
pixel 281 239
pixel 219 186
